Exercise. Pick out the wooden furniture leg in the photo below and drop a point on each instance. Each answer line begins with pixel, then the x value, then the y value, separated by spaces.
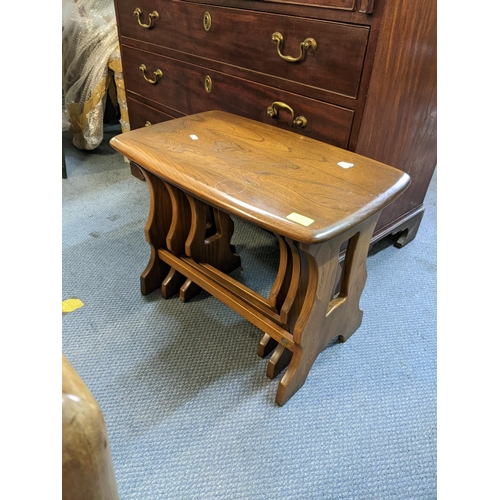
pixel 409 233
pixel 309 309
pixel 320 318
pixel 188 226
pixel 212 244
pixel 157 227
pixel 87 469
pixel 180 227
pixel 277 297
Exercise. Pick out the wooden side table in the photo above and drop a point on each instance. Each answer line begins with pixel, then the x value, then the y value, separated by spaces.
pixel 316 199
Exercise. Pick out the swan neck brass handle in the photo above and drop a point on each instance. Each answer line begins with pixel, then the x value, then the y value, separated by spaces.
pixel 272 111
pixel 307 44
pixel 152 16
pixel 157 75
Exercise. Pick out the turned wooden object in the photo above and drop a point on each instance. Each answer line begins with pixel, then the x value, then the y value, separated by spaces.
pixel 87 469
pixel 319 201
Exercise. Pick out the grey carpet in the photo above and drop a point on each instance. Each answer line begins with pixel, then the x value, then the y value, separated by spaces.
pixel 189 411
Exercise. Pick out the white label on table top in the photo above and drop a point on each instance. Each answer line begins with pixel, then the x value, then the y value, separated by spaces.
pixel 194 137
pixel 345 164
pixel 300 219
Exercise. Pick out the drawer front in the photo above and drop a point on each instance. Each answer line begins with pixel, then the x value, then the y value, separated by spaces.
pixel 346 5
pixel 141 115
pixel 184 86
pixel 333 62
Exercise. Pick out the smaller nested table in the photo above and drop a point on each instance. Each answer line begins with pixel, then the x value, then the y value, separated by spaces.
pixel 317 199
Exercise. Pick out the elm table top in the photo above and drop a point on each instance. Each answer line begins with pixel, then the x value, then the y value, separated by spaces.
pixel 264 174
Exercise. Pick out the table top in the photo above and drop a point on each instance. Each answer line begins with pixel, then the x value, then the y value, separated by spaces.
pixel 298 187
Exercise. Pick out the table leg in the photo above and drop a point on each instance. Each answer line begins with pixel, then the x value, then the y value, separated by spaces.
pixel 180 227
pixel 284 297
pixel 157 227
pixel 211 243
pixel 188 290
pixel 319 319
pixel 172 284
pixel 280 359
pixel 278 294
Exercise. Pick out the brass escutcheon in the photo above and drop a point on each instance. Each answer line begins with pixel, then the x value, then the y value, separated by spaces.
pixel 307 44
pixel 208 84
pixel 207 21
pixel 157 75
pixel 152 16
pixel 272 111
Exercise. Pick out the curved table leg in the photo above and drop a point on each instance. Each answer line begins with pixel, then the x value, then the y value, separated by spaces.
pixel 157 227
pixel 215 247
pixel 277 295
pixel 179 231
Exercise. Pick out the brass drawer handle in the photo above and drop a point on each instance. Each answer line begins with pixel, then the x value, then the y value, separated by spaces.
pixel 307 44
pixel 152 16
pixel 298 121
pixel 157 74
pixel 148 124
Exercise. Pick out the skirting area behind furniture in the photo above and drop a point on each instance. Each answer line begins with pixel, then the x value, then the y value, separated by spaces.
pixel 184 423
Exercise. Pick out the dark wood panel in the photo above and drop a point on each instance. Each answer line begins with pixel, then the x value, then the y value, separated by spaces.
pixel 182 89
pixel 140 114
pixel 269 80
pixel 298 8
pixel 340 49
pixel 400 115
pixel 349 5
pixel 341 10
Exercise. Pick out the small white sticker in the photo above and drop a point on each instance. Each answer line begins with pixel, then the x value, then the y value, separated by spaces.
pixel 300 219
pixel 194 137
pixel 345 164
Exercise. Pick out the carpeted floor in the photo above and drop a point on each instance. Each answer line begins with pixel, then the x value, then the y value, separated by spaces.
pixel 189 411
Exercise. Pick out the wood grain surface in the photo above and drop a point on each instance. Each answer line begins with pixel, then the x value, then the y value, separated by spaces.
pixel 340 47
pixel 399 124
pixel 87 468
pixel 263 174
pixel 183 92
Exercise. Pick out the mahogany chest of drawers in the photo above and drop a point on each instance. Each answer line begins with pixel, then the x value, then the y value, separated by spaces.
pixel 358 74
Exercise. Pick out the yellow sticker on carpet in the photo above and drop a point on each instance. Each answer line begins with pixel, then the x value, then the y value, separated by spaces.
pixel 70 305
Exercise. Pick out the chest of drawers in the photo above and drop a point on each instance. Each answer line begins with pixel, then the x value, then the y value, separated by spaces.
pixel 358 74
